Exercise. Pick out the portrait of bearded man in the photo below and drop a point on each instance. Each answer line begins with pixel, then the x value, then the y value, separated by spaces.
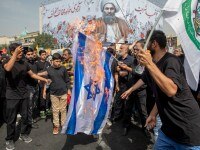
pixel 109 27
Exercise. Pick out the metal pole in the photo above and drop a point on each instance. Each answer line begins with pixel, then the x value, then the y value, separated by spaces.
pixel 154 26
pixel 140 69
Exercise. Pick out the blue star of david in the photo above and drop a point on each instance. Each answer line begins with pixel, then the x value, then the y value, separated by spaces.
pixel 90 94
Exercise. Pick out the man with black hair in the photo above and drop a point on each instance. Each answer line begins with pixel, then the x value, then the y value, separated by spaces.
pixel 16 70
pixel 44 104
pixel 140 95
pixel 59 88
pixel 32 86
pixel 178 110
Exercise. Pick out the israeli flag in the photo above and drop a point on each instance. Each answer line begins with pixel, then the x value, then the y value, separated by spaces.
pixel 91 99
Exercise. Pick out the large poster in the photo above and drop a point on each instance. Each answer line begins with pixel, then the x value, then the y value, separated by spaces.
pixel 111 20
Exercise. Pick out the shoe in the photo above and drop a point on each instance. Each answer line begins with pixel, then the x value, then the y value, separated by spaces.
pixel 48 112
pixel 42 114
pixel 55 130
pixel 34 126
pixel 10 145
pixel 125 131
pixel 25 138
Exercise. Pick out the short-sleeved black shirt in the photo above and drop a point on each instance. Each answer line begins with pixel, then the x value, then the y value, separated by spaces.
pixel 180 114
pixel 60 80
pixel 16 80
pixel 127 80
pixel 30 81
pixel 42 66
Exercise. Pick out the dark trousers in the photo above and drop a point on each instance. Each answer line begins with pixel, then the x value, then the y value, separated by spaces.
pixel 128 107
pixel 2 109
pixel 44 103
pixel 118 105
pixel 140 98
pixel 32 103
pixel 13 106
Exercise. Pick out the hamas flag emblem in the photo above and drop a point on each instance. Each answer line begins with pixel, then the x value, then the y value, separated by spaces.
pixel 191 17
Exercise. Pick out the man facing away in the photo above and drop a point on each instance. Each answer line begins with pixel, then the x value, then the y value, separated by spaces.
pixel 177 108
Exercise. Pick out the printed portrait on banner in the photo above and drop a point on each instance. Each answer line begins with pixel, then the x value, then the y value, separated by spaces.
pixel 112 21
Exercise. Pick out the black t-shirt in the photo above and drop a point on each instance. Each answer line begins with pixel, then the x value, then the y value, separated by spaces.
pixel 180 114
pixel 33 67
pixel 60 80
pixel 16 80
pixel 127 80
pixel 42 66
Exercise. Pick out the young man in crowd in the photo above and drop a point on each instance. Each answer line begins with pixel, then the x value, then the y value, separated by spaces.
pixel 16 70
pixel 59 88
pixel 177 108
pixel 44 104
pixel 32 86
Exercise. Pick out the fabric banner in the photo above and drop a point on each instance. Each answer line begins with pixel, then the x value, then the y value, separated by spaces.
pixel 92 90
pixel 186 24
pixel 62 19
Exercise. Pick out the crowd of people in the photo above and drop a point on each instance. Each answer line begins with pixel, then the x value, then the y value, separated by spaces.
pixel 37 86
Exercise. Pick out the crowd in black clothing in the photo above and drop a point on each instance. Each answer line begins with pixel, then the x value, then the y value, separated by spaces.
pixel 21 93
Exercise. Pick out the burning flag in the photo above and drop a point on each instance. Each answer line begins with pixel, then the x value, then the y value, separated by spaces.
pixel 92 90
pixel 186 24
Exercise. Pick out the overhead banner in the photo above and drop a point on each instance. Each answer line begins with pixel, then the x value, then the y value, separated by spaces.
pixel 111 20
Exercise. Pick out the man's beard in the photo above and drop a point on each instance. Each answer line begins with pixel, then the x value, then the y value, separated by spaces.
pixel 152 51
pixel 30 59
pixel 109 19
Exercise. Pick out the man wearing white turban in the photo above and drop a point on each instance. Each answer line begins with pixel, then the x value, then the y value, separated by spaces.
pixel 109 27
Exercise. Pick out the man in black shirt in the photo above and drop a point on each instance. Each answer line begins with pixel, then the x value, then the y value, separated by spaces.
pixel 32 86
pixel 123 82
pixel 17 94
pixel 178 110
pixel 42 65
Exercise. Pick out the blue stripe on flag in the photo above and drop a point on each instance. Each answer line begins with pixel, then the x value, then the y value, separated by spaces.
pixel 103 107
pixel 78 77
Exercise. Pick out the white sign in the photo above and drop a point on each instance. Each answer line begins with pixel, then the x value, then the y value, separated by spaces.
pixel 63 18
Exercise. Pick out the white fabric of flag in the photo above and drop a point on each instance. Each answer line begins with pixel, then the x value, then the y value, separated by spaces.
pixel 186 24
pixel 90 102
pixel 184 18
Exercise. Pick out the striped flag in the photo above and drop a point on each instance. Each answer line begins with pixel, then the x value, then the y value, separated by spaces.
pixel 186 24
pixel 92 91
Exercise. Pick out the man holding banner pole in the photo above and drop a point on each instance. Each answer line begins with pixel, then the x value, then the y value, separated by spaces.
pixel 178 110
